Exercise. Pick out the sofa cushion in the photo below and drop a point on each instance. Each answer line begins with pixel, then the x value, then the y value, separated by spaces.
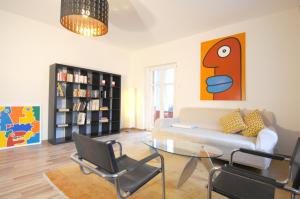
pixel 254 124
pixel 232 122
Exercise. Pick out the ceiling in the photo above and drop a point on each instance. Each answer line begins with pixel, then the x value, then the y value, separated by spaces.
pixel 136 24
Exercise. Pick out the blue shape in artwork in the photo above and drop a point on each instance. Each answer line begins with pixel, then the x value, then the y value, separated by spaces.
pixel 5 118
pixel 219 83
pixel 34 139
pixel 20 127
pixel 218 88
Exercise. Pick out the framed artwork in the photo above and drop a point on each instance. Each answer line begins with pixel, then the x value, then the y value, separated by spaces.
pixel 19 126
pixel 223 68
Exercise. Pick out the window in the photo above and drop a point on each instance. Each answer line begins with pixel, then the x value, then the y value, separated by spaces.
pixel 161 93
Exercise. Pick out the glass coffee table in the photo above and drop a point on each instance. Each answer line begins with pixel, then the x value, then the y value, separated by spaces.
pixel 195 151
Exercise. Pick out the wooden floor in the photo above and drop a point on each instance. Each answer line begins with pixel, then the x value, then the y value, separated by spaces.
pixel 21 170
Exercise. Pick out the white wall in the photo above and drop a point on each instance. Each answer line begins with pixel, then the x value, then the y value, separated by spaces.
pixel 272 70
pixel 28 47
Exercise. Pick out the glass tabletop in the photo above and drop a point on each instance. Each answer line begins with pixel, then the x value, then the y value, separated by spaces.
pixel 184 148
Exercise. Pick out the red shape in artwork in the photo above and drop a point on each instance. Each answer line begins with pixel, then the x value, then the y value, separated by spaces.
pixel 12 142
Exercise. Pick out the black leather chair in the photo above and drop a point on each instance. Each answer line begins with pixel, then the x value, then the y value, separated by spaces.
pixel 237 183
pixel 125 173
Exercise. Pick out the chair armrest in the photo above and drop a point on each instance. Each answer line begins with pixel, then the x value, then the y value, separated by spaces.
pixel 164 123
pixel 103 174
pixel 144 161
pixel 266 155
pixel 115 142
pixel 110 141
pixel 258 153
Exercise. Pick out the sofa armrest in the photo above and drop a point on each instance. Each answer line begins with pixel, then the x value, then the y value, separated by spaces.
pixel 266 140
pixel 164 123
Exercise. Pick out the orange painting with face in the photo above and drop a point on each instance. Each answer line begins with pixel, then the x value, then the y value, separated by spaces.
pixel 223 68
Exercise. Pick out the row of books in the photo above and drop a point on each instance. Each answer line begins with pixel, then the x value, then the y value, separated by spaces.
pixel 80 106
pixel 82 117
pixel 80 78
pixel 89 93
pixel 76 77
pixel 79 92
pixel 93 105
pixel 63 75
pixel 80 120
pixel 93 93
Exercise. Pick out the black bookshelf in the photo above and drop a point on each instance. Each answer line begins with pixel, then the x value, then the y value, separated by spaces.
pixel 82 101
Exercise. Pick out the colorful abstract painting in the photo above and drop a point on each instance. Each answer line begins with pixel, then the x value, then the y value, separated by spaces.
pixel 19 126
pixel 223 68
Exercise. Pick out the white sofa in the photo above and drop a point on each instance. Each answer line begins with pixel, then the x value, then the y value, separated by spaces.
pixel 207 131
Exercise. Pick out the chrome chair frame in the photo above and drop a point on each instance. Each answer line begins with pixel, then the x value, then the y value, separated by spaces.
pixel 88 169
pixel 283 184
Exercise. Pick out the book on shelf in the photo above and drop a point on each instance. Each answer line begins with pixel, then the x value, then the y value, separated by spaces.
pixel 90 78
pixel 93 105
pixel 88 93
pixel 62 125
pixel 69 77
pixel 62 75
pixel 81 118
pixel 82 79
pixel 76 77
pixel 63 110
pixel 104 120
pixel 79 92
pixel 60 91
pixel 104 94
pixel 95 93
pixel 103 108
pixel 80 106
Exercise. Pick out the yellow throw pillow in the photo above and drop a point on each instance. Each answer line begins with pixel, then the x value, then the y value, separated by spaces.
pixel 233 122
pixel 254 124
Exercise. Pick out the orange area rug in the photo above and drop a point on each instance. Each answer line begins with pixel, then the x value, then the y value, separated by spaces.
pixel 75 185
pixel 72 183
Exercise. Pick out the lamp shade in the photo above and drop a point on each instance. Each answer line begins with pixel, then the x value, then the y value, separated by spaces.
pixel 85 17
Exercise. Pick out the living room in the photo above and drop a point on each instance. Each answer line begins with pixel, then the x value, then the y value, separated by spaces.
pixel 148 67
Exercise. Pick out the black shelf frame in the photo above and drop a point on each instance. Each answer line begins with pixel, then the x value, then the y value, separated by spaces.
pixel 94 128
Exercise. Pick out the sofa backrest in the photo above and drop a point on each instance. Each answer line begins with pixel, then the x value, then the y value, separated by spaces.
pixel 210 117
